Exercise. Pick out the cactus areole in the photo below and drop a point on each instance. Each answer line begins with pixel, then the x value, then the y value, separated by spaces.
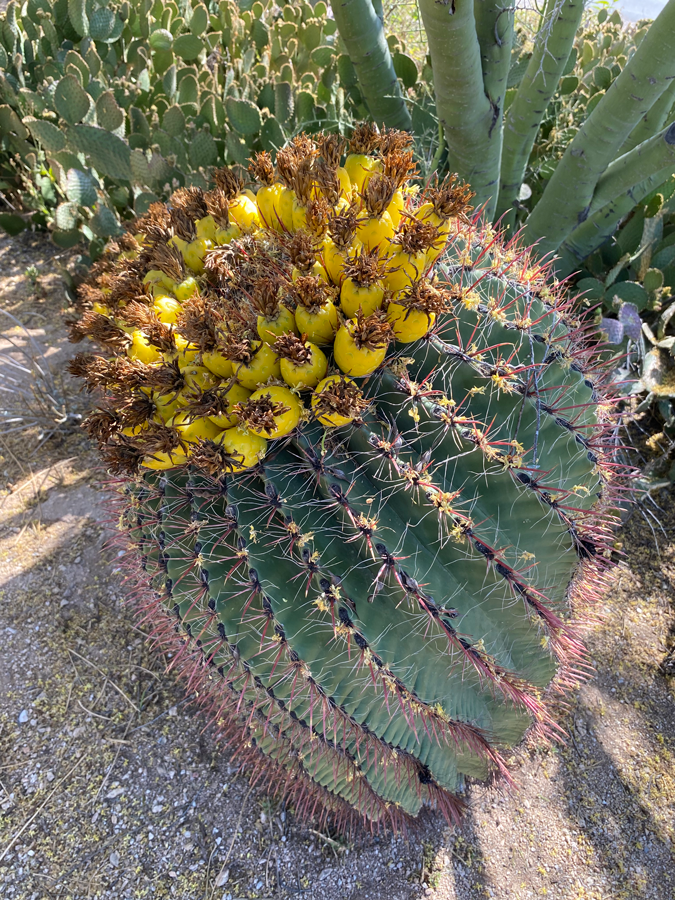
pixel 367 536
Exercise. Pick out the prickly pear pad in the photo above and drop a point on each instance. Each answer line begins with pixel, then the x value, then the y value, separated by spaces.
pixel 367 469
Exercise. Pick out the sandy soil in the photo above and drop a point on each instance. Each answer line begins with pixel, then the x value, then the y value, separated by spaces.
pixel 110 787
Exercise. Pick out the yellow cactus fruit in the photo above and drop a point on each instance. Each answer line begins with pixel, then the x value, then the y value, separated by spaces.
pixel 303 364
pixel 167 309
pixel 261 366
pixel 272 412
pixel 361 344
pixel 226 400
pixel 245 448
pixel 206 228
pixel 274 318
pixel 337 401
pixel 193 428
pixel 412 312
pixel 185 289
pixel 164 459
pixel 315 313
pixel 363 287
pixel 141 349
pixel 199 378
pixel 215 362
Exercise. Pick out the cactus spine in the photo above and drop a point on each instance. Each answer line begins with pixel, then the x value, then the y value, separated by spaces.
pixel 373 572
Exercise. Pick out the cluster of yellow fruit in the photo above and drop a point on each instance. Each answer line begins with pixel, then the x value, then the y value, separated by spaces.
pixel 232 305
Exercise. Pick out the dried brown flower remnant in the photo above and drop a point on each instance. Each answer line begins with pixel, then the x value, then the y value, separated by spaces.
pixel 393 141
pixel 425 297
pixel 100 329
pixel 302 251
pixel 261 167
pixel 365 138
pixel 399 166
pixel 378 194
pixel 331 147
pixel 342 397
pixel 218 206
pixel 451 200
pixel 365 267
pixel 266 295
pixel 260 414
pixel 126 375
pixel 168 259
pixel 293 348
pixel 214 458
pixel 318 214
pixel 182 225
pixel 342 228
pixel 372 332
pixel 228 181
pixel 200 322
pixel 328 181
pixel 191 201
pixel 414 236
pixel 312 292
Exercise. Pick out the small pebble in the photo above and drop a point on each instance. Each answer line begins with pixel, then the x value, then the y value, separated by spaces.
pixel 23 717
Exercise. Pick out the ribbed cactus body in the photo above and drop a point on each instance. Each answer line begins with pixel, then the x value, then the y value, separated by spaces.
pixel 376 611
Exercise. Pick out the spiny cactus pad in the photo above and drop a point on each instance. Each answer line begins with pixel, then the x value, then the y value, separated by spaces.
pixel 366 470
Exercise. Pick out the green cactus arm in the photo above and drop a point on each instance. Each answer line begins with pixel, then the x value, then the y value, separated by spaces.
pixel 602 224
pixel 494 28
pixel 471 124
pixel 652 157
pixel 553 44
pixel 653 120
pixel 363 35
pixel 565 202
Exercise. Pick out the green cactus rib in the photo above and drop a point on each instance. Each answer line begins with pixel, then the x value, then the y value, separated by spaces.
pixel 364 625
pixel 644 78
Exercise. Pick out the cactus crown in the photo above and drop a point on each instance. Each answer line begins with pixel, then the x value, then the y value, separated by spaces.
pixel 373 574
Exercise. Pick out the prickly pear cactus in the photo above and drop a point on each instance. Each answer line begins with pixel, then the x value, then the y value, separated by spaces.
pixel 365 466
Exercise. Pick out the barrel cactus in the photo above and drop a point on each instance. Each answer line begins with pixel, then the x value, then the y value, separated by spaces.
pixel 364 459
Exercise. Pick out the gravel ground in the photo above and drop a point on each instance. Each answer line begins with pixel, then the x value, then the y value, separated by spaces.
pixel 110 787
